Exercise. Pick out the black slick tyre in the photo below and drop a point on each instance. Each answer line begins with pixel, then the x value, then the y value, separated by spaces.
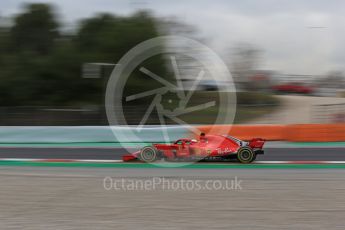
pixel 148 154
pixel 245 155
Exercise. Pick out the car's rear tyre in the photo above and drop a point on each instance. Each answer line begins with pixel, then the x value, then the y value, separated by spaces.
pixel 245 155
pixel 148 154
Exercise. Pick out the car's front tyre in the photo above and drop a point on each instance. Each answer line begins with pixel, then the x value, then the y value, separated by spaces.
pixel 148 154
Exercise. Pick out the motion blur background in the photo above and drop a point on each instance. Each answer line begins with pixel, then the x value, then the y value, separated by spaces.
pixel 286 59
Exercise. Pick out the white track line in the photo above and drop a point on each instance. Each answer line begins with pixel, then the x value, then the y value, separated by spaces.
pixel 20 159
pixel 121 161
pixel 299 162
pixel 101 161
pixel 60 160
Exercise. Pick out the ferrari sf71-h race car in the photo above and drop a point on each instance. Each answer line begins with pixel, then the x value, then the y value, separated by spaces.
pixel 208 147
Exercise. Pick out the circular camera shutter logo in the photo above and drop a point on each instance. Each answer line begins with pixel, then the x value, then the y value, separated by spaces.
pixel 174 96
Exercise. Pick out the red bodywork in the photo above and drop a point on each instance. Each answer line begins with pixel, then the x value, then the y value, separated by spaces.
pixel 210 146
pixel 293 88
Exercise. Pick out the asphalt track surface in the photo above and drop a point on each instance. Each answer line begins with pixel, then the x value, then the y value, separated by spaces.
pixel 75 198
pixel 271 154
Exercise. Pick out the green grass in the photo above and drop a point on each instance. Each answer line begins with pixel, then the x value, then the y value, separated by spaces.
pixel 250 105
pixel 244 114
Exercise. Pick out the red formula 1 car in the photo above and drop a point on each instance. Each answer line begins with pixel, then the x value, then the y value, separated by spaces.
pixel 293 87
pixel 208 147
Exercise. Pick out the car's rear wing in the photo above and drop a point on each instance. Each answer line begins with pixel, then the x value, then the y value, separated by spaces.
pixel 256 143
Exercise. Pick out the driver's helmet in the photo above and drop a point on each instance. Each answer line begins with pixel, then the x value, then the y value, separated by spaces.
pixel 203 137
